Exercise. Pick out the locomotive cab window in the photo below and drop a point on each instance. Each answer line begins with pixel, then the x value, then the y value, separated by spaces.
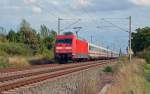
pixel 67 41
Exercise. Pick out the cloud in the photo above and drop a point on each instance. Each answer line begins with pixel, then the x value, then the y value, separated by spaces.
pixel 103 5
pixel 29 1
pixel 36 9
pixel 33 7
pixel 12 7
pixel 84 2
pixel 55 3
pixel 141 2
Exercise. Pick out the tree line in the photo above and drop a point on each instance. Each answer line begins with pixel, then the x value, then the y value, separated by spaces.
pixel 39 41
pixel 141 42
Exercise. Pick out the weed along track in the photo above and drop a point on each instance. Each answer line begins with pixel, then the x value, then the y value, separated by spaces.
pixel 15 81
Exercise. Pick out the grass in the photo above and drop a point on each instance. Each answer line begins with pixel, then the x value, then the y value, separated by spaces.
pixel 10 55
pixel 13 49
pixel 20 55
pixel 21 61
pixel 3 63
pixel 15 62
pixel 147 87
pixel 147 68
pixel 147 76
pixel 147 56
pixel 123 59
pixel 130 79
pixel 108 69
pixel 18 62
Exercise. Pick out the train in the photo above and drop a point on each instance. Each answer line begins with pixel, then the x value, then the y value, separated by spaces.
pixel 71 48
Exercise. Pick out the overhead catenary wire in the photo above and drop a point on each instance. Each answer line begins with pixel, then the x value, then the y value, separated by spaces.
pixel 55 8
pixel 90 16
pixel 68 27
pixel 86 12
pixel 96 21
pixel 56 16
pixel 116 18
pixel 48 11
pixel 62 11
pixel 67 19
pixel 114 25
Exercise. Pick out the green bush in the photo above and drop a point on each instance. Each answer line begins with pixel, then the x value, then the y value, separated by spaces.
pixel 108 69
pixel 147 71
pixel 47 53
pixel 147 56
pixel 3 63
pixel 3 38
pixel 44 51
pixel 14 49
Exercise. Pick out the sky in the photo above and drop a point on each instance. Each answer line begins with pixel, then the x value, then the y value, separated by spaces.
pixel 105 20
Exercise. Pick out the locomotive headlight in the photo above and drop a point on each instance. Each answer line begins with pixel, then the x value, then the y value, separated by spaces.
pixel 68 48
pixel 58 48
pixel 63 48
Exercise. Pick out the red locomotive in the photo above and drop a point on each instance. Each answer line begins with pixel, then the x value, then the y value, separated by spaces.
pixel 69 47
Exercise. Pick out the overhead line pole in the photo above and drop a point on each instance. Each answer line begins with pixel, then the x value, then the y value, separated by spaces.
pixel 130 36
pixel 91 39
pixel 77 31
pixel 70 25
pixel 59 25
pixel 130 30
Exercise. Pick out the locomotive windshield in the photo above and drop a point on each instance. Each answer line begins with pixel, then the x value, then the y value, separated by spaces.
pixel 67 41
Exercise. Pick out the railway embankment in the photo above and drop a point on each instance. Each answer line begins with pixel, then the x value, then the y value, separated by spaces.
pixel 131 78
pixel 87 81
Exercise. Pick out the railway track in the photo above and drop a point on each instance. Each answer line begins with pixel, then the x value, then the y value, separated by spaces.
pixel 18 80
pixel 7 70
pixel 35 71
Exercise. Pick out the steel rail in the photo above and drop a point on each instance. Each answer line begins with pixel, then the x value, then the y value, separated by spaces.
pixel 28 74
pixel 7 70
pixel 9 86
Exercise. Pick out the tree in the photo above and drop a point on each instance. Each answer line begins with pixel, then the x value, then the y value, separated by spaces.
pixel 141 39
pixel 25 24
pixel 27 35
pixel 47 36
pixel 44 32
pixel 3 34
pixel 50 40
pixel 20 37
pixel 2 31
pixel 24 31
pixel 53 35
pixel 12 36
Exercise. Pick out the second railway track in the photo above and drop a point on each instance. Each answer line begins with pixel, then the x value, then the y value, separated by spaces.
pixel 36 71
pixel 16 81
